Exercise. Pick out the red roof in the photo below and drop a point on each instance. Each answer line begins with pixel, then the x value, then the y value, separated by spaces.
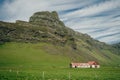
pixel 79 64
pixel 92 63
pixel 89 63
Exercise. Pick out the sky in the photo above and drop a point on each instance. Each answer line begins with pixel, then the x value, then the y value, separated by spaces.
pixel 98 18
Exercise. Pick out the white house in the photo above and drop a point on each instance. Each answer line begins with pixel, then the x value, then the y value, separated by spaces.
pixel 90 64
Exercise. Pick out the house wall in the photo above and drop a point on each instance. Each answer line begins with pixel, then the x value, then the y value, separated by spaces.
pixel 98 66
pixel 93 66
pixel 84 66
pixel 73 66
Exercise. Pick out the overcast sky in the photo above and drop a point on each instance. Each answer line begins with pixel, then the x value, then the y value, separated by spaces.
pixel 98 18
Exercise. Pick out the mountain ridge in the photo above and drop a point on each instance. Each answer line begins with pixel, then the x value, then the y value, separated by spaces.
pixel 46 27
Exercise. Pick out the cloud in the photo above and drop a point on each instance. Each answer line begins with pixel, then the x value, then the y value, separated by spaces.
pixel 101 21
pixel 95 9
pixel 22 9
pixel 98 18
pixel 111 39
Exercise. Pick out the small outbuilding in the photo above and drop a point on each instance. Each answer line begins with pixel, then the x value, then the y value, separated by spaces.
pixel 89 64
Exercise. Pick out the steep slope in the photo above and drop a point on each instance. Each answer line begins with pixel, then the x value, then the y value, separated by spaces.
pixel 117 47
pixel 46 28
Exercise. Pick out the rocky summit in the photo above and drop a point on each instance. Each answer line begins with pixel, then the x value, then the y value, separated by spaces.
pixel 46 27
pixel 46 15
pixel 46 18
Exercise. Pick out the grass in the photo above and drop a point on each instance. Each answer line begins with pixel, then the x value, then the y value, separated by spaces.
pixel 27 61
pixel 61 74
pixel 27 54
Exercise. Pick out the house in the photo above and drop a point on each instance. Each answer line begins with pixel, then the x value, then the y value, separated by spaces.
pixel 94 64
pixel 90 64
pixel 79 65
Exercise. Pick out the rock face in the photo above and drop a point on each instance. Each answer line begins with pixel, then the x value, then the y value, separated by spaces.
pixel 55 29
pixel 42 26
pixel 46 19
pixel 117 46
pixel 39 16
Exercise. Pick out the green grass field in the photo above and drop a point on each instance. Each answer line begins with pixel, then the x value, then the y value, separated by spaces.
pixel 26 61
pixel 60 74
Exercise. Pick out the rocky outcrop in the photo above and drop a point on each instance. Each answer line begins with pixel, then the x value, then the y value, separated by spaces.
pixel 46 19
pixel 39 16
pixel 42 26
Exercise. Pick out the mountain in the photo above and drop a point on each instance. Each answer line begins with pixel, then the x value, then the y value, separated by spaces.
pixel 45 33
pixel 117 46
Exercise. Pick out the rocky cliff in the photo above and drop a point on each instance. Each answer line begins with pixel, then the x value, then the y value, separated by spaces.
pixel 42 26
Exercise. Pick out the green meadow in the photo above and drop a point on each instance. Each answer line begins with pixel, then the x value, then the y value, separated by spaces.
pixel 31 61
pixel 60 74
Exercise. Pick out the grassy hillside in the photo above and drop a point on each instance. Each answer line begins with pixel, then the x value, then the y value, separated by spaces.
pixel 48 55
pixel 28 61
pixel 30 55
